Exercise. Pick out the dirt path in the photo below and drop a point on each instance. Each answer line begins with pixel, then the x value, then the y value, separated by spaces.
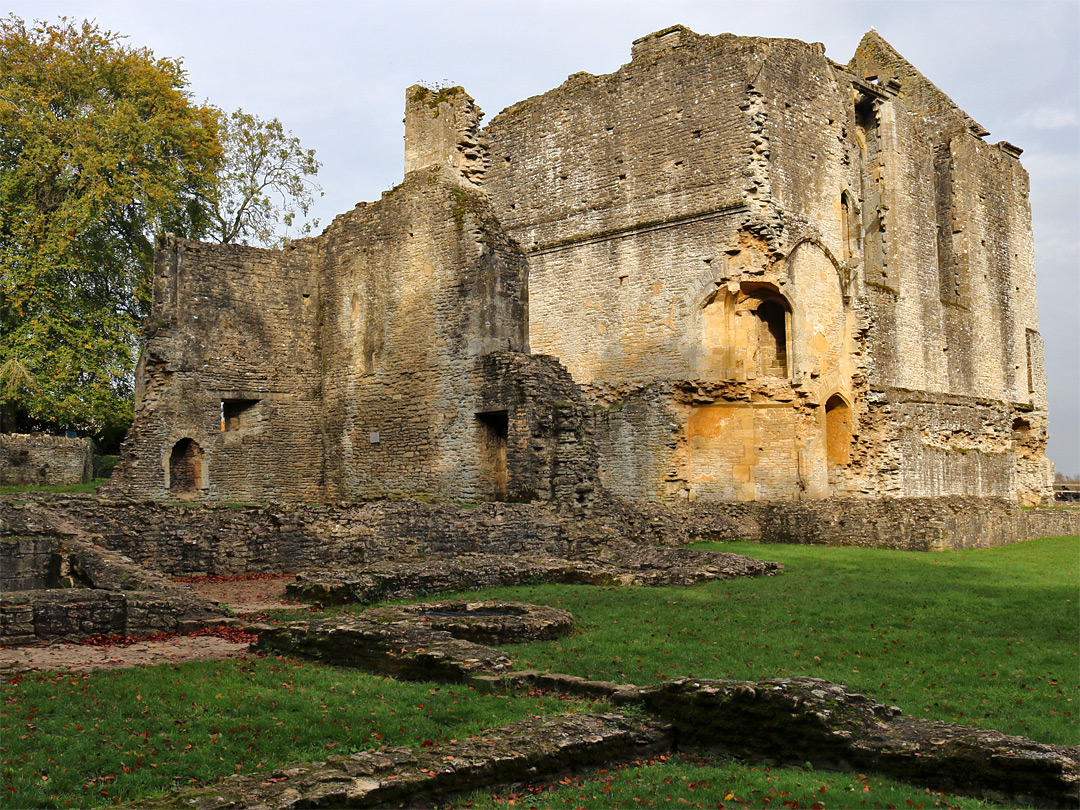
pixel 61 656
pixel 242 596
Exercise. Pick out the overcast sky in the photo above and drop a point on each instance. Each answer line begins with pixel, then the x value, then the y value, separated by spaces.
pixel 335 73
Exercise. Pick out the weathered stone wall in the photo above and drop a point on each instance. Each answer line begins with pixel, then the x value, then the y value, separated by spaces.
pixel 230 371
pixel 774 276
pixel 421 285
pixel 41 460
pixel 185 540
pixel 56 583
pixel 663 204
pixel 391 360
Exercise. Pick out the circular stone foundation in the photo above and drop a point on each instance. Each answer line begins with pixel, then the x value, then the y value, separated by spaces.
pixel 482 622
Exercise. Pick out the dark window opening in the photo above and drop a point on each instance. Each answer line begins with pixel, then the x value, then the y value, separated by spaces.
pixel 237 413
pixel 185 468
pixel 866 119
pixel 496 429
pixel 772 338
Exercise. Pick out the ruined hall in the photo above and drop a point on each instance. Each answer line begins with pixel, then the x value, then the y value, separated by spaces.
pixel 731 270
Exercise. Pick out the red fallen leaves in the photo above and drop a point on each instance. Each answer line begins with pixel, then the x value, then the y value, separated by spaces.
pixel 234 634
pixel 233 577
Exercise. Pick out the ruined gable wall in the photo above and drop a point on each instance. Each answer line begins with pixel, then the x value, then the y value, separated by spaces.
pixel 229 323
pixel 420 284
pixel 838 176
pixel 962 325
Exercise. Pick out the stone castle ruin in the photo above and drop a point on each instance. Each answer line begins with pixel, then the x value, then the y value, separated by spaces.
pixel 732 270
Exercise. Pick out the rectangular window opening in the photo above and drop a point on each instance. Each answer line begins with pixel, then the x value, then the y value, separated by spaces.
pixel 237 413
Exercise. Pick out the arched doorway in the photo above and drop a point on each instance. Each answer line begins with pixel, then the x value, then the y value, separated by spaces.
pixel 185 469
pixel 838 430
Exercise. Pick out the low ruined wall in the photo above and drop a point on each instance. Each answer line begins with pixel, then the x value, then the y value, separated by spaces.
pixel 910 524
pixel 41 460
pixel 198 539
pixel 186 540
pixel 56 584
pixel 1052 522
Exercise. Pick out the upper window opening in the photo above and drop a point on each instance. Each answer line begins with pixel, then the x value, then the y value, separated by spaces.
pixel 237 414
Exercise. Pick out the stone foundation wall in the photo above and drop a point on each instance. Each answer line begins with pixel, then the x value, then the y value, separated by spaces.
pixel 55 583
pixel 214 539
pixel 907 524
pixel 44 460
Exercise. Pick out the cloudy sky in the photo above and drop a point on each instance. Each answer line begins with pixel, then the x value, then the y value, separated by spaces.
pixel 335 72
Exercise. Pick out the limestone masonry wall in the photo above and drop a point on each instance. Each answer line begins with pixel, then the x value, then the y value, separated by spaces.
pixel 42 460
pixel 198 539
pixel 753 273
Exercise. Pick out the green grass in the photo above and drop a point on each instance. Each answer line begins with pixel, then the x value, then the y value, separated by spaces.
pixel 982 637
pixel 986 637
pixel 85 739
pixel 89 487
pixel 684 781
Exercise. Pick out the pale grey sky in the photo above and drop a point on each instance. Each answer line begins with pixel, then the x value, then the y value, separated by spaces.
pixel 335 73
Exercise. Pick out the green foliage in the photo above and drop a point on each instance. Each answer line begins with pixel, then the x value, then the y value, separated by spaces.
pixel 263 184
pixel 100 149
pixel 104 465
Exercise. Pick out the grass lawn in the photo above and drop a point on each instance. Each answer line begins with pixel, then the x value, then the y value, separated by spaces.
pixel 985 637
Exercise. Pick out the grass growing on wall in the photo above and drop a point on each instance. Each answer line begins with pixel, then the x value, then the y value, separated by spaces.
pixel 985 637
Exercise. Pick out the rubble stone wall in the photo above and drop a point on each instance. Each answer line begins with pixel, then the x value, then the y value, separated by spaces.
pixel 229 371
pixel 185 540
pixel 661 203
pixel 40 460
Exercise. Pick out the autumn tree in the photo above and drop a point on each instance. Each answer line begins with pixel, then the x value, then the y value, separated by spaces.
pixel 101 148
pixel 265 182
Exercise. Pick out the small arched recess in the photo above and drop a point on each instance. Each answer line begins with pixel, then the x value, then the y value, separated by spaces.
pixel 838 430
pixel 748 333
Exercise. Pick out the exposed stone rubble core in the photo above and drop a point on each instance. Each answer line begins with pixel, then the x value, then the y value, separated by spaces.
pixel 799 720
pixel 395 777
pixel 483 622
pixel 748 272
pixel 621 564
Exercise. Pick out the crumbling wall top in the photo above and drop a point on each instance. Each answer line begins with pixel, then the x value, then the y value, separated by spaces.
pixel 442 128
